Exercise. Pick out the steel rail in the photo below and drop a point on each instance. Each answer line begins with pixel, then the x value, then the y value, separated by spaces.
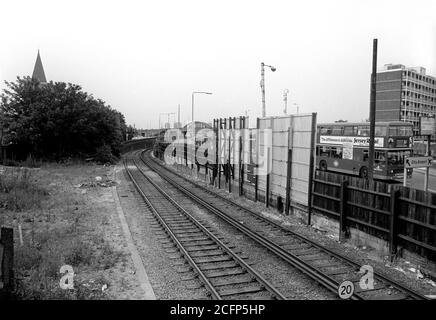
pixel 241 262
pixel 411 293
pixel 290 258
pixel 173 236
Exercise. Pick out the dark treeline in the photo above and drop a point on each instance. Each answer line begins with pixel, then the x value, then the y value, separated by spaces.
pixel 55 121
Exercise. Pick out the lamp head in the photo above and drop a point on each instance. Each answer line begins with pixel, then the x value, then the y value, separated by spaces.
pixel 273 69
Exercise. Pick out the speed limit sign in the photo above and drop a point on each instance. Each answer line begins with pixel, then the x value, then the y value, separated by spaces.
pixel 346 289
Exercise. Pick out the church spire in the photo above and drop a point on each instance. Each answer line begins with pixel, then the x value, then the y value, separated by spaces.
pixel 38 70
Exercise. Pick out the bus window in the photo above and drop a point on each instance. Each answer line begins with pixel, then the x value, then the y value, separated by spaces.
pixel 363 131
pixel 324 151
pixel 405 131
pixel 393 131
pixel 397 157
pixel 325 130
pixel 336 152
pixel 365 155
pixel 379 157
pixel 380 131
pixel 348 131
pixel 337 131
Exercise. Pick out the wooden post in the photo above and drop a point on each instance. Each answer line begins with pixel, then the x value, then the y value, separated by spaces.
pixel 427 169
pixel 256 166
pixel 267 178
pixel 219 164
pixel 372 111
pixel 288 182
pixel 228 163
pixel 393 223
pixel 7 262
pixel 241 170
pixel 343 210
pixel 311 169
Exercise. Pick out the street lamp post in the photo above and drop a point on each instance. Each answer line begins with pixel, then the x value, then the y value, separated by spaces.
pixel 192 114
pixel 262 84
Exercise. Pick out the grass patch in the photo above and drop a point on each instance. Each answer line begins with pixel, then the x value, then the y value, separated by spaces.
pixel 18 191
pixel 61 226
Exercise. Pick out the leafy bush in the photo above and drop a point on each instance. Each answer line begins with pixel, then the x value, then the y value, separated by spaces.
pixel 104 155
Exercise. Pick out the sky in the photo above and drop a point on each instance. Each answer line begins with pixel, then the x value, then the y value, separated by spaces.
pixel 144 58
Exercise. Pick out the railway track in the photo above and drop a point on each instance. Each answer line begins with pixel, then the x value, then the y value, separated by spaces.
pixel 223 273
pixel 326 267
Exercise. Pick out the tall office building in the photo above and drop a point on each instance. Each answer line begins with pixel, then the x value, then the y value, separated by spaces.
pixel 405 94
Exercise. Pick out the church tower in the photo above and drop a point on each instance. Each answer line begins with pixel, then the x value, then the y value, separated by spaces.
pixel 38 70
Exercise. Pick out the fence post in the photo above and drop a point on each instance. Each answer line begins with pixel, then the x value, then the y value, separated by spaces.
pixel 311 169
pixel 343 210
pixel 7 262
pixel 288 182
pixel 395 194
pixel 241 167
pixel 267 188
pixel 256 184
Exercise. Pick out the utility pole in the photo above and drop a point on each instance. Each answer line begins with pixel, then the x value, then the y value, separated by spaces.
pixel 285 99
pixel 262 85
pixel 178 116
pixel 372 112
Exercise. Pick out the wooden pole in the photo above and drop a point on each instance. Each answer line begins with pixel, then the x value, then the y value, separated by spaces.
pixel 288 182
pixel 427 169
pixel 311 169
pixel 241 166
pixel 7 261
pixel 343 210
pixel 372 110
pixel 256 166
pixel 228 161
pixel 267 178
pixel 393 222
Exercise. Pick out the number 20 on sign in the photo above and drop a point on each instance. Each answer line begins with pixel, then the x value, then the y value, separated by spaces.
pixel 346 290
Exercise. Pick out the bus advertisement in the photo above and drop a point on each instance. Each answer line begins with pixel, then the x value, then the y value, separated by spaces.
pixel 344 147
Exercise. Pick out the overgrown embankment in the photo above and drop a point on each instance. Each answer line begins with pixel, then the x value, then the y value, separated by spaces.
pixel 67 217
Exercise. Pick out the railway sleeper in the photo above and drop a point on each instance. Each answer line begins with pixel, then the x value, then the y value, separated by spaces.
pixel 225 272
pixel 224 281
pixel 200 260
pixel 220 265
pixel 201 243
pixel 193 239
pixel 202 248
pixel 180 233
pixel 238 291
pixel 217 252
pixel 184 228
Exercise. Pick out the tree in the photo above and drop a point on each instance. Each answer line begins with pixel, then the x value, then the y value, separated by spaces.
pixel 58 120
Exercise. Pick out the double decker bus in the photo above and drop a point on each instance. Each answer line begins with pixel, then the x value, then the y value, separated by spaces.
pixel 344 147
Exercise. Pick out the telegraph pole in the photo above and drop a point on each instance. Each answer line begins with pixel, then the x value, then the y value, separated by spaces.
pixel 372 112
pixel 178 116
pixel 262 85
pixel 285 99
